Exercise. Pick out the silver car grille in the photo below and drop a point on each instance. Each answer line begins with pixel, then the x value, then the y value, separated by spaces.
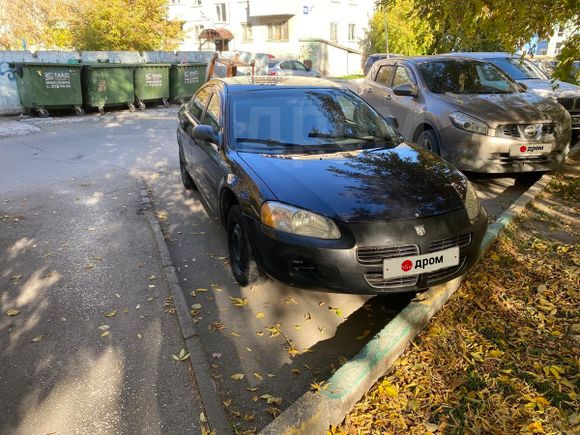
pixel 519 131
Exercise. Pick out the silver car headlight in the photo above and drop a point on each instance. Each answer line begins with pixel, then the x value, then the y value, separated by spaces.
pixel 468 123
pixel 297 221
pixel 471 202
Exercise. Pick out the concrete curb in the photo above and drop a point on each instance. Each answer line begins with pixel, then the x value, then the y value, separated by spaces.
pixel 314 412
pixel 206 386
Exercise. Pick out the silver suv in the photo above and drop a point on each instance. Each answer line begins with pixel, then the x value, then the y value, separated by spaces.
pixel 525 72
pixel 470 113
pixel 290 67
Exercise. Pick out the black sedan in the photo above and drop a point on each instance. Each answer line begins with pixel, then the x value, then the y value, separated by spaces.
pixel 317 190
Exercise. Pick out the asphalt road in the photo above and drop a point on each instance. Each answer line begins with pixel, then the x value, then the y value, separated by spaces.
pixel 76 179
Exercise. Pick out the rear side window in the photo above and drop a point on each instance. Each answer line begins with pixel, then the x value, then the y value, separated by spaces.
pixel 272 64
pixel 287 65
pixel 385 75
pixel 199 101
pixel 299 66
pixel 401 77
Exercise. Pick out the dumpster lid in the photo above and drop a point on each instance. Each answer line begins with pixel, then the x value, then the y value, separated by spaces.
pixel 152 64
pixel 190 64
pixel 110 65
pixel 51 64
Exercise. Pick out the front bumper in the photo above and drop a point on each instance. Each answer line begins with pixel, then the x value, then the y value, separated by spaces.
pixel 488 153
pixel 353 264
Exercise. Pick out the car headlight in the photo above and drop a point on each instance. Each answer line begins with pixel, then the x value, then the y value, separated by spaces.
pixel 468 123
pixel 471 202
pixel 297 221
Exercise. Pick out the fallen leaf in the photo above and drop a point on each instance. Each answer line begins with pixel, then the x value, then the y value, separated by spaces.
pixel 105 333
pixel 259 315
pixel 239 302
pixel 37 339
pixel 13 312
pixel 182 356
pixel 290 300
pixel 336 310
pixel 111 314
pixel 237 376
pixel 104 327
pixel 152 278
pixel 258 376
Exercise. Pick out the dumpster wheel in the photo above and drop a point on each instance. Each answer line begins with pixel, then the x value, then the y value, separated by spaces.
pixel 141 105
pixel 101 110
pixel 131 107
pixel 165 103
pixel 79 111
pixel 43 113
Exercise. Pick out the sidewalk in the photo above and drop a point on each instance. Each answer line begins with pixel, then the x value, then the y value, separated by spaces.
pixel 87 332
pixel 502 356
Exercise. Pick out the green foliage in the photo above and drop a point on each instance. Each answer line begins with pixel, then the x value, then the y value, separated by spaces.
pixel 493 24
pixel 408 34
pixel 125 25
pixel 568 54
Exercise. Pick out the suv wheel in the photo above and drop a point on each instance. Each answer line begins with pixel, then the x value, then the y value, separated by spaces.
pixel 428 140
pixel 242 261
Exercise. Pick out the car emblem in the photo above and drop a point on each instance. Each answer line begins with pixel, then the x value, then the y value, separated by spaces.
pixel 420 229
pixel 530 130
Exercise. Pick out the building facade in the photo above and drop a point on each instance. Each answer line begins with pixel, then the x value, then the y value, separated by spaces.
pixel 552 45
pixel 322 31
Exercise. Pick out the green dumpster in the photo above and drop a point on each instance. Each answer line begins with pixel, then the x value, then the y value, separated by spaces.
pixel 152 83
pixel 185 79
pixel 44 86
pixel 108 85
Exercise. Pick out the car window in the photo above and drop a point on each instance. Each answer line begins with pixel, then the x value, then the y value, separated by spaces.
pixel 517 69
pixel 213 114
pixel 385 75
pixel 303 121
pixel 465 77
pixel 272 64
pixel 299 66
pixel 401 77
pixel 199 101
pixel 286 65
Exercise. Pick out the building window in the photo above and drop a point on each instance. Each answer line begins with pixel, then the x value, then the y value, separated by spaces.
pixel 334 31
pixel 560 31
pixel 278 31
pixel 196 2
pixel 351 32
pixel 197 29
pixel 247 32
pixel 221 12
pixel 175 2
pixel 558 47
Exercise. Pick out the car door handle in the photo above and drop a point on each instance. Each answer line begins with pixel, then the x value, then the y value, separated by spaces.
pixel 388 97
pixel 369 91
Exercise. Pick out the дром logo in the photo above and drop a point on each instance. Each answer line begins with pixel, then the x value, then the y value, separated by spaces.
pixel 523 149
pixel 407 265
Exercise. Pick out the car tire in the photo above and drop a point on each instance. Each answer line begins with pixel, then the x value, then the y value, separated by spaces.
pixel 428 140
pixel 186 179
pixel 242 260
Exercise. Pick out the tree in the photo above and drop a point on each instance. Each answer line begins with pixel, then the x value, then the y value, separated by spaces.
pixel 505 22
pixel 408 34
pixel 125 25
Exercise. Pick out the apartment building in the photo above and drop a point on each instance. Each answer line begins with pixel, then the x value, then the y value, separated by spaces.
pixel 323 31
pixel 553 44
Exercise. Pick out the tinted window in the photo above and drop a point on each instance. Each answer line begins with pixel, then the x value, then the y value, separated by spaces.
pixel 286 65
pixel 298 121
pixel 517 69
pixel 213 114
pixel 401 77
pixel 385 75
pixel 465 77
pixel 199 101
pixel 299 66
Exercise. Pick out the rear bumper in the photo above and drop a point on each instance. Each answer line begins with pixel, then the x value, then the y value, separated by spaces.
pixel 336 265
pixel 486 153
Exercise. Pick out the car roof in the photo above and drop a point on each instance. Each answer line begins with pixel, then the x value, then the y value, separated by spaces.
pixel 282 59
pixel 482 54
pixel 426 58
pixel 253 83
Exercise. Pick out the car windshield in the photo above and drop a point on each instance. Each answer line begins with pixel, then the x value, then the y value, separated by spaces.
pixel 517 69
pixel 465 77
pixel 296 121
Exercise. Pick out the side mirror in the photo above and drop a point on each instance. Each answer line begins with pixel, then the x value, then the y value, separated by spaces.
pixel 392 121
pixel 206 133
pixel 308 68
pixel 522 87
pixel 405 90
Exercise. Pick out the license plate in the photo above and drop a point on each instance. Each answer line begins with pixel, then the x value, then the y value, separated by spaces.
pixel 538 149
pixel 415 265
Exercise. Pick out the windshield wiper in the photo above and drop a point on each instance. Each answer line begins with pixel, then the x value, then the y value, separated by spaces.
pixel 269 142
pixel 370 138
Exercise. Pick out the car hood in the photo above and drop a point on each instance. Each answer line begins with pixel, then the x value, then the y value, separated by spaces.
pixel 498 109
pixel 402 182
pixel 546 88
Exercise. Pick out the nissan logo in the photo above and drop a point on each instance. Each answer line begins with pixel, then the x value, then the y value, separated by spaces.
pixel 530 130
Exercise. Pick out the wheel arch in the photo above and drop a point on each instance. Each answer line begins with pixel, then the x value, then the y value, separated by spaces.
pixel 227 199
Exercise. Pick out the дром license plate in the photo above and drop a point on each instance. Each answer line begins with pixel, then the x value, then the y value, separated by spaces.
pixel 538 149
pixel 414 265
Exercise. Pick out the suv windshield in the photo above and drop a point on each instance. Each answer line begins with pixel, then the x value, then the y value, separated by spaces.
pixel 517 69
pixel 465 77
pixel 298 121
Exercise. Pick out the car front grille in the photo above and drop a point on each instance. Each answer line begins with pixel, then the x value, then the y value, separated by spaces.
pixel 461 241
pixel 505 159
pixel 446 273
pixel 569 103
pixel 517 131
pixel 374 255
pixel 376 280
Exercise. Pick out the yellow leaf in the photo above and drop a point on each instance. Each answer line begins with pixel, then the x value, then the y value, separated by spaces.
pixel 13 312
pixel 495 353
pixel 111 314
pixel 259 315
pixel 239 302
pixel 258 376
pixel 237 376
pixel 295 371
pixel 37 339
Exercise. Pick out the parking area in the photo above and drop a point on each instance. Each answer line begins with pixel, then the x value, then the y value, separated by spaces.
pixel 267 344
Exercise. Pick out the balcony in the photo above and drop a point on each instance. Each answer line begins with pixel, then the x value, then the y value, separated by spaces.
pixel 265 8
